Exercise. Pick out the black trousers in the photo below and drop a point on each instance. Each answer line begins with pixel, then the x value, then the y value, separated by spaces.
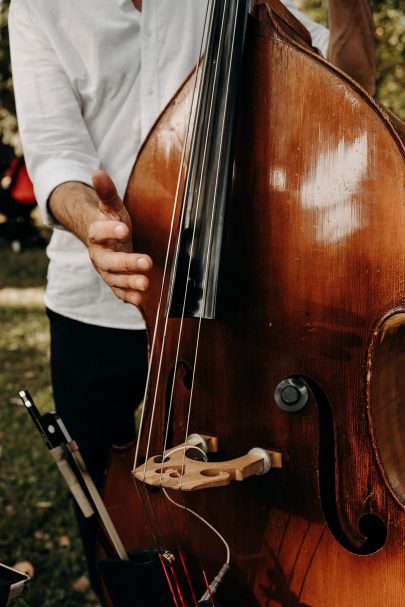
pixel 98 377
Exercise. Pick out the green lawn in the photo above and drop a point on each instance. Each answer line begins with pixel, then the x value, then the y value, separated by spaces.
pixel 22 270
pixel 36 517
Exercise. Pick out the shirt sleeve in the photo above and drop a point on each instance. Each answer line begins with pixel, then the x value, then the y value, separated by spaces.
pixel 319 33
pixel 56 143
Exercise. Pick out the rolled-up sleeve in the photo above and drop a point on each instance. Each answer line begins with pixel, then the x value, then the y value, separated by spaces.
pixel 56 143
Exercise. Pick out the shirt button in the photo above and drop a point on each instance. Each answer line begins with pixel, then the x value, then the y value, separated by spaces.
pixel 150 91
pixel 148 33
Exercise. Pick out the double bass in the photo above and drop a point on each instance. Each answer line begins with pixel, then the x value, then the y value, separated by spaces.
pixel 277 342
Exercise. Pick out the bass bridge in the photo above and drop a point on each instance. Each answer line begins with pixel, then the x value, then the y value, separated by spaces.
pixel 186 466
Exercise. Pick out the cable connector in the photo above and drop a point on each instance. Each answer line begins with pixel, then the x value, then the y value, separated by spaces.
pixel 215 582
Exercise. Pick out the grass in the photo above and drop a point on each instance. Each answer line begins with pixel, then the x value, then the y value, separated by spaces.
pixel 36 516
pixel 24 270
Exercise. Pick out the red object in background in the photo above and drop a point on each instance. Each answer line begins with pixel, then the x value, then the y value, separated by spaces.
pixel 17 201
pixel 21 188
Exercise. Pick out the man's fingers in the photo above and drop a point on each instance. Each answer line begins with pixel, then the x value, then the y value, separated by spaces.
pixel 107 192
pixel 132 282
pixel 133 297
pixel 121 262
pixel 100 231
pixel 122 270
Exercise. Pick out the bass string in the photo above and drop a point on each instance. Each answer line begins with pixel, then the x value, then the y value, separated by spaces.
pixel 189 522
pixel 204 577
pixel 187 281
pixel 203 162
pixel 175 585
pixel 179 548
pixel 154 527
pixel 206 272
pixel 165 273
pixel 204 291
pixel 150 513
pixel 152 520
pixel 150 516
pixel 184 506
pixel 196 94
pixel 170 572
pixel 180 333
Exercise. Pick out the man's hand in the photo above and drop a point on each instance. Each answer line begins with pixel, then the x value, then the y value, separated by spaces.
pixel 99 218
pixel 110 245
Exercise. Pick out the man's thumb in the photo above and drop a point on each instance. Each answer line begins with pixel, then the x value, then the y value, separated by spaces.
pixel 107 192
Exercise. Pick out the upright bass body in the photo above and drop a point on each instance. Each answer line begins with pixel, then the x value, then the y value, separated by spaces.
pixel 312 311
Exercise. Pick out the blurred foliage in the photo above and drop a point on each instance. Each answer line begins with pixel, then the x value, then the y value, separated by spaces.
pixel 316 9
pixel 390 35
pixel 6 87
pixel 389 19
pixel 8 122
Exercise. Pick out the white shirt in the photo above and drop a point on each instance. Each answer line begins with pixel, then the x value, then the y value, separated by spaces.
pixel 319 34
pixel 91 77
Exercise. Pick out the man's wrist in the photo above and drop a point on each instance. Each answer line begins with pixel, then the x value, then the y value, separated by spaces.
pixel 74 206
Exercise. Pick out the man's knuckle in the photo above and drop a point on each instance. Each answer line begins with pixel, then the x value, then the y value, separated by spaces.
pixel 125 264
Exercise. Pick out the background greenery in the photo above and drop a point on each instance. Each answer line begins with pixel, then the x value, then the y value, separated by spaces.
pixel 8 122
pixel 389 19
pixel 36 519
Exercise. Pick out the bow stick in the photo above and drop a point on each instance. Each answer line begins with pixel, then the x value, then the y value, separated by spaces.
pixel 60 445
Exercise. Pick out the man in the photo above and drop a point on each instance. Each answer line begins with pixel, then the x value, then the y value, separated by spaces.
pixel 90 80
